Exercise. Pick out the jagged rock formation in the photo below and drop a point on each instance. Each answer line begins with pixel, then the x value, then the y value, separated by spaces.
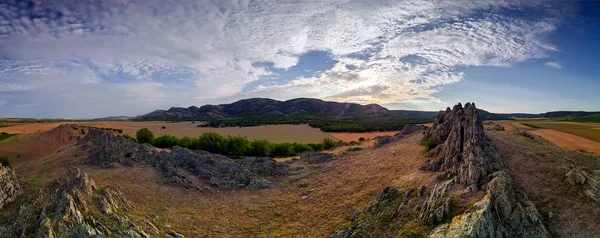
pixel 466 159
pixel 73 206
pixel 382 140
pixel 11 185
pixel 315 157
pixel 183 167
pixel 408 130
pixel 496 127
pixel 589 185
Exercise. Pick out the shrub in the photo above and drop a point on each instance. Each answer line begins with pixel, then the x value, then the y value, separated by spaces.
pixel 299 147
pixel 212 142
pixel 120 131
pixel 430 144
pixel 4 161
pixel 185 142
pixel 361 139
pixel 283 150
pixel 237 146
pixel 165 141
pixel 260 148
pixel 163 127
pixel 316 146
pixel 328 143
pixel 131 138
pixel 144 135
pixel 82 131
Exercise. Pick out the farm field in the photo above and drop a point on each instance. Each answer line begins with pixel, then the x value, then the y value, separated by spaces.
pixel 585 130
pixel 567 140
pixel 274 133
pixel 347 137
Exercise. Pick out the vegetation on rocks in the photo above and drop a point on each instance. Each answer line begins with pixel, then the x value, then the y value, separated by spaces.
pixel 234 146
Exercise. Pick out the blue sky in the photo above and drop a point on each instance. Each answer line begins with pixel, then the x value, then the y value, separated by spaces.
pixel 86 59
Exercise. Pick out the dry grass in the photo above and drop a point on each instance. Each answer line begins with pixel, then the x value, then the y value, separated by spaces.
pixel 539 168
pixel 333 191
pixel 568 141
pixel 347 137
pixel 585 130
pixel 274 133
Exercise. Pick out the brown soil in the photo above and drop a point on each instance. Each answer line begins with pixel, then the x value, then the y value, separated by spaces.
pixel 567 140
pixel 539 168
pixel 347 137
pixel 333 191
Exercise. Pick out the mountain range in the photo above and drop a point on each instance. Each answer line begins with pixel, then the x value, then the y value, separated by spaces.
pixel 303 108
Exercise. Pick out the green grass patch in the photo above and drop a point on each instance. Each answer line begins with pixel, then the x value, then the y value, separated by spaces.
pixel 4 136
pixel 532 126
pixel 36 181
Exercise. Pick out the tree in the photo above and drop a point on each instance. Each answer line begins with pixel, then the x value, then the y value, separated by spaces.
pixel 283 150
pixel 165 141
pixel 299 147
pixel 328 143
pixel 4 161
pixel 185 142
pixel 212 142
pixel 260 148
pixel 144 136
pixel 237 146
pixel 361 139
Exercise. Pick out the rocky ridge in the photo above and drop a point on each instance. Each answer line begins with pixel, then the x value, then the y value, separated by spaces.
pixel 11 185
pixel 183 167
pixel 467 166
pixel 74 206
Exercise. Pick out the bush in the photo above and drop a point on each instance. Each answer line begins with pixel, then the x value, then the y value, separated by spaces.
pixel 163 127
pixel 316 147
pixel 212 142
pixel 283 150
pixel 185 142
pixel 299 147
pixel 260 148
pixel 165 141
pixel 237 146
pixel 131 138
pixel 361 139
pixel 120 131
pixel 430 144
pixel 144 135
pixel 328 143
pixel 4 161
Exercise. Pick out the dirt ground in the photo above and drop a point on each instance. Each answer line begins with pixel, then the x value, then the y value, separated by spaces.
pixel 347 137
pixel 333 191
pixel 539 167
pixel 274 133
pixel 567 140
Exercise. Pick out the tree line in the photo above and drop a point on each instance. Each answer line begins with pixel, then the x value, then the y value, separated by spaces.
pixel 234 146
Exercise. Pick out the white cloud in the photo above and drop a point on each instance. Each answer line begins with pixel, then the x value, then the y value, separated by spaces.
pixel 555 65
pixel 217 43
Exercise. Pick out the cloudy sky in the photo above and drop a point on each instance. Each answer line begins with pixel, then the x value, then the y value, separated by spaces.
pixel 87 59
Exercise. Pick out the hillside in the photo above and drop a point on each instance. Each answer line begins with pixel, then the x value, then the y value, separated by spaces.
pixel 299 108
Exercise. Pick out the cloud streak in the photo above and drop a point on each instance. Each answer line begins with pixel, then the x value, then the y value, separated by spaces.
pixel 207 50
pixel 555 65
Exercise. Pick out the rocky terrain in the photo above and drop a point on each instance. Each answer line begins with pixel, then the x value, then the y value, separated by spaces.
pixel 74 206
pixel 474 195
pixel 10 185
pixel 183 167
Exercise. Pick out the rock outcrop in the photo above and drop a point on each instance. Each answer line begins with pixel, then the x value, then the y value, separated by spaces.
pixel 180 166
pixel 466 159
pixel 11 186
pixel 315 157
pixel 589 185
pixel 408 130
pixel 69 207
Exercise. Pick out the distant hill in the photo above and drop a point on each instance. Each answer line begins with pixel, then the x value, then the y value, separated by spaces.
pixel 112 118
pixel 304 108
pixel 579 116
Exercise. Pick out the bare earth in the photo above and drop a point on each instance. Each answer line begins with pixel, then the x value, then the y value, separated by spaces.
pixel 567 140
pixel 347 137
pixel 275 133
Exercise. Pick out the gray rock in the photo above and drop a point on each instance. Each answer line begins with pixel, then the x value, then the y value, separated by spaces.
pixel 11 185
pixel 315 157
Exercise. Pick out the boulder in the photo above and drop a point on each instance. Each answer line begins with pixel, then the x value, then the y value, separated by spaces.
pixel 315 157
pixel 588 184
pixel 11 185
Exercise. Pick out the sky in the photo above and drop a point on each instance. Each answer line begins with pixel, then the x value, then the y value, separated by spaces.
pixel 89 59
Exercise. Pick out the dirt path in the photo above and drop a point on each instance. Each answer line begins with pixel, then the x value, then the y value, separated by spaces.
pixel 567 140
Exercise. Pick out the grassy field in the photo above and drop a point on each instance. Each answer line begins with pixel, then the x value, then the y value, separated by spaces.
pixel 5 136
pixel 272 133
pixel 585 130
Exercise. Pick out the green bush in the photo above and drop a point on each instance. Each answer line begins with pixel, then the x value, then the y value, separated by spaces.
pixel 430 144
pixel 316 146
pixel 361 139
pixel 165 141
pixel 212 142
pixel 4 161
pixel 283 150
pixel 260 148
pixel 185 142
pixel 144 135
pixel 120 131
pixel 237 146
pixel 131 138
pixel 299 147
pixel 328 143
